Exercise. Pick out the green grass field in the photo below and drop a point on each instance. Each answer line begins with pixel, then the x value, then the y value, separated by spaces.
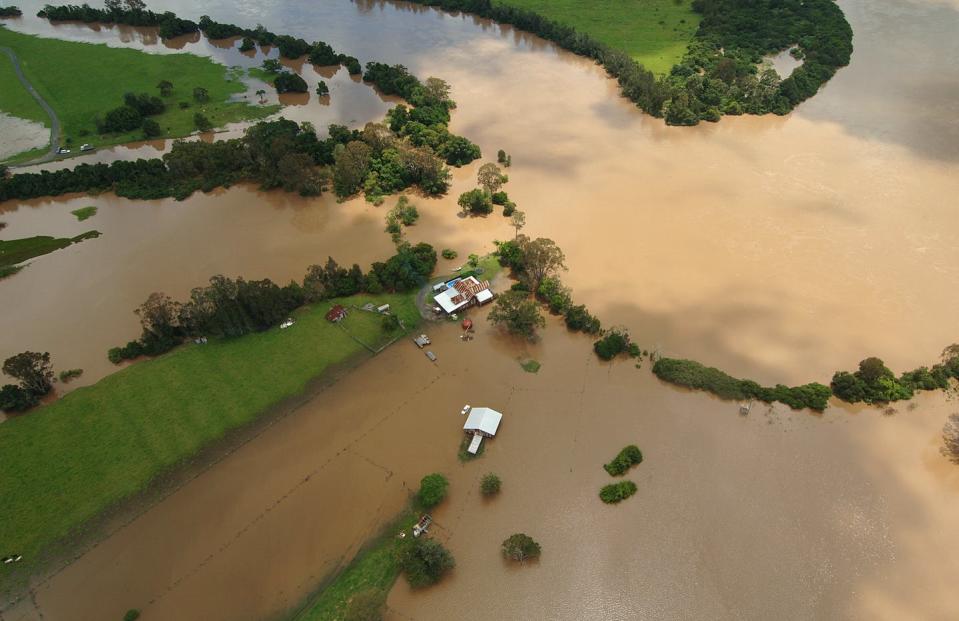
pixel 15 251
pixel 654 32
pixel 14 99
pixel 374 568
pixel 83 80
pixel 66 463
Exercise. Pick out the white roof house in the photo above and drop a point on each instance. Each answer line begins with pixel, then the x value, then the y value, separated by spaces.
pixel 483 421
pixel 464 293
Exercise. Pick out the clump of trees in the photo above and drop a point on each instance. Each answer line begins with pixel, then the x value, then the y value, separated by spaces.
pixel 129 12
pixel 503 158
pixel 424 561
pixel 614 342
pixel 229 308
pixel 10 11
pixel 276 154
pixel 692 374
pixel 627 458
pixel 289 82
pixel 404 213
pixel 518 313
pixel 617 492
pixel 520 547
pixel 133 114
pixel 490 484
pixel 481 200
pixel 425 125
pixel 35 374
pixel 536 264
pixel 476 202
pixel 433 489
pixel 873 382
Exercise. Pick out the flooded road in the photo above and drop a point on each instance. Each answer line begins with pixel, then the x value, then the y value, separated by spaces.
pixel 780 248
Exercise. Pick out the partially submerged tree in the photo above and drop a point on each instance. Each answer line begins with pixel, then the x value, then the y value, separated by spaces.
pixel 521 547
pixel 518 220
pixel 433 489
pixel 491 178
pixel 424 561
pixel 475 201
pixel 518 313
pixel 950 439
pixel 490 484
pixel 541 258
pixel 33 369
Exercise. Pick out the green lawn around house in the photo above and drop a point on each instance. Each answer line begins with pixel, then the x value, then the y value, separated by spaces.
pixel 655 33
pixel 65 463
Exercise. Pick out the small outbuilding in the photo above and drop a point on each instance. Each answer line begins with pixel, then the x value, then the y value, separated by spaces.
pixel 483 422
pixel 335 314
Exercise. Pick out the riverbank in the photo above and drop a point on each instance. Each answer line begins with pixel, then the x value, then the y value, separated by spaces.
pixel 124 431
pixel 83 81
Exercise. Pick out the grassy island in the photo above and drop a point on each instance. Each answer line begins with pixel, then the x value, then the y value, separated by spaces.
pixel 84 81
pixel 115 437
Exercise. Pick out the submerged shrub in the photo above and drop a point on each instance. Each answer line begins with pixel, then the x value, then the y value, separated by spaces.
pixel 626 459
pixel 617 492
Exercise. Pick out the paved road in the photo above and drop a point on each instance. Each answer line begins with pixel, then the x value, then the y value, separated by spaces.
pixel 54 121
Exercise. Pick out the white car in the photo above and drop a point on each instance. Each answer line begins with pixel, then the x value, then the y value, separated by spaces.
pixel 286 324
pixel 86 147
pixel 466 409
pixel 63 151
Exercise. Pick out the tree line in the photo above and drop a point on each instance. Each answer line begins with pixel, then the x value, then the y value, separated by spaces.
pixel 10 11
pixel 227 308
pixel 274 154
pixel 718 75
pixel 128 12
pixel 319 53
pixel 872 382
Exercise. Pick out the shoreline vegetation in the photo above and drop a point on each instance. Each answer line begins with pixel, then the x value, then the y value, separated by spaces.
pixel 85 83
pixel 719 73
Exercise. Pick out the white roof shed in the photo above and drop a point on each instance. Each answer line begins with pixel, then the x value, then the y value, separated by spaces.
pixel 483 420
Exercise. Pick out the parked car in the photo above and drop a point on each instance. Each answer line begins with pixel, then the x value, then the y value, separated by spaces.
pixel 63 150
pixel 86 147
pixel 286 324
pixel 466 410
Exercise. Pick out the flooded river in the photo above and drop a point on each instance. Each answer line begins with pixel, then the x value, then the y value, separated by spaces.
pixel 782 248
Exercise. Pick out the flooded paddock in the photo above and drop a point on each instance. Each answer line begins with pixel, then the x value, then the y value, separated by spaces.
pixel 779 248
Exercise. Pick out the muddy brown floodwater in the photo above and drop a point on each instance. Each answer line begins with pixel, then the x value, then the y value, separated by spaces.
pixel 780 248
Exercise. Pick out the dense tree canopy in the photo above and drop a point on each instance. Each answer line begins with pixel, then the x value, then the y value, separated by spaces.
pixel 517 313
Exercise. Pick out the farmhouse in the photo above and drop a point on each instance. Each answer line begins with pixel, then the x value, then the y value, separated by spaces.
pixel 482 423
pixel 336 313
pixel 464 293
